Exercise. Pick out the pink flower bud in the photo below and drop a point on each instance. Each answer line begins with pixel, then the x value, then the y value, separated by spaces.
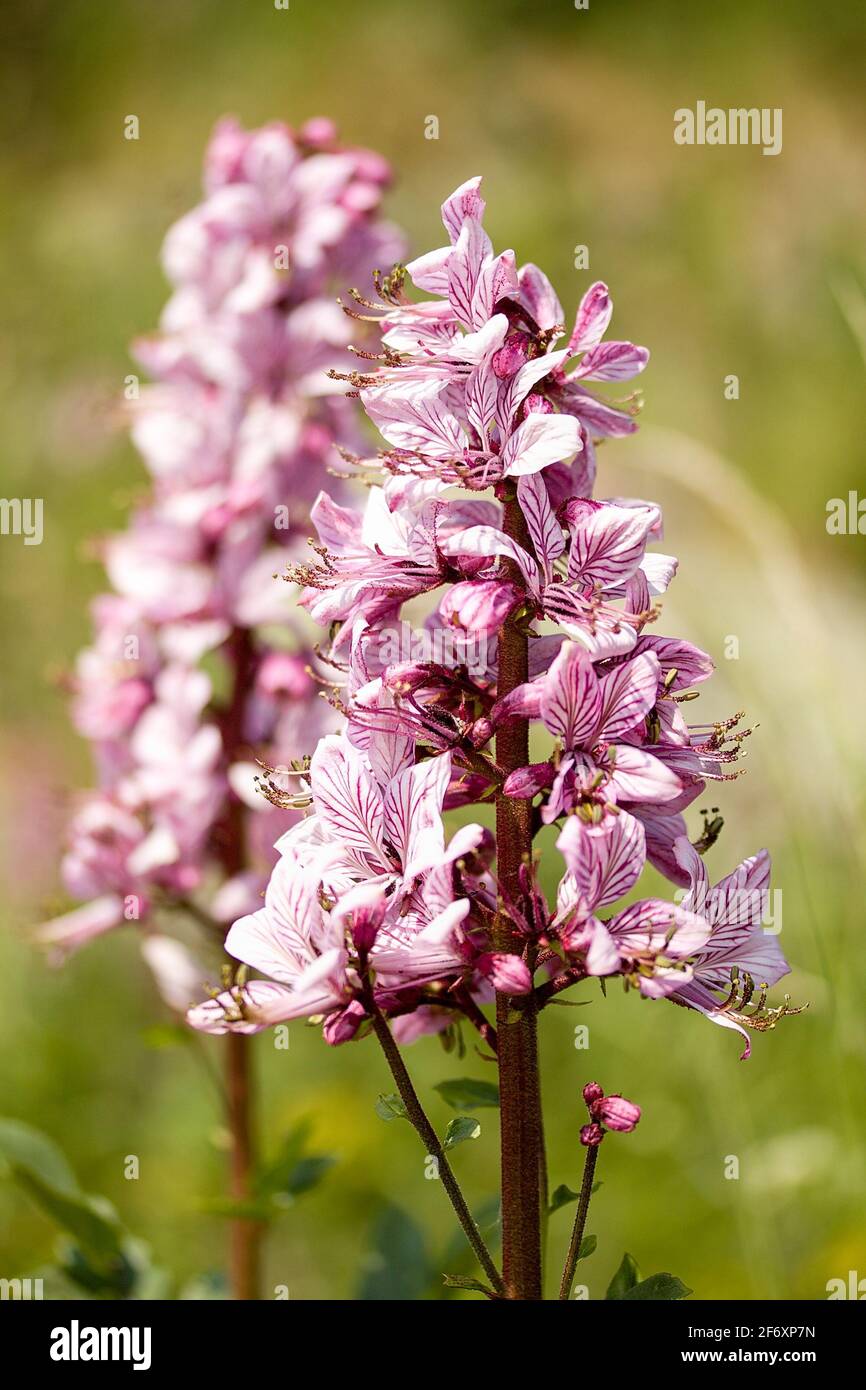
pixel 319 132
pixel 342 1026
pixel 405 676
pixel 479 606
pixel 591 1136
pixel 511 356
pixel 526 781
pixel 616 1113
pixel 507 972
pixel 365 924
pixel 537 405
pixel 592 1092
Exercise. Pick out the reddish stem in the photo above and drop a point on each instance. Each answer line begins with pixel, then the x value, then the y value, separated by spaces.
pixel 245 1235
pixel 522 1148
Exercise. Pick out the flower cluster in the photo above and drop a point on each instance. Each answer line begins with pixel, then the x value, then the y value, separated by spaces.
pixel 490 428
pixel 606 1113
pixel 199 669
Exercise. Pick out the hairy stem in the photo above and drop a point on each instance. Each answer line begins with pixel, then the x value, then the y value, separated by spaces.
pixel 519 1085
pixel 579 1222
pixel 245 1235
pixel 431 1141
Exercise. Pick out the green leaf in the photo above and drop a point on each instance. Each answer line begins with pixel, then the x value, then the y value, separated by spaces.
pixel 587 1247
pixel 561 1198
pixel 293 1171
pixel 660 1288
pixel 397 1268
pixel 41 1170
pixel 116 1277
pixel 308 1173
pixel 461 1128
pixel 390 1108
pixel 90 1220
pixel 467 1093
pixel 95 1256
pixel 626 1277
pixel 462 1281
pixel 28 1150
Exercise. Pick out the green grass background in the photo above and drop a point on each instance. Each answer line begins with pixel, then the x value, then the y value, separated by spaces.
pixel 722 261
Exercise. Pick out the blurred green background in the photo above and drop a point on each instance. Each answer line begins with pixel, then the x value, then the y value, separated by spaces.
pixel 722 261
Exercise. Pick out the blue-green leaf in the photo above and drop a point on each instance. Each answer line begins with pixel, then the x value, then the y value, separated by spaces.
pixel 660 1288
pixel 626 1277
pixel 467 1093
pixel 390 1107
pixel 460 1129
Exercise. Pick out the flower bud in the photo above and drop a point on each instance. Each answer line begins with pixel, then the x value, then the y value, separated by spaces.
pixel 507 972
pixel 342 1026
pixel 319 132
pixel 479 606
pixel 536 404
pixel 592 1092
pixel 364 924
pixel 405 676
pixel 591 1136
pixel 511 356
pixel 616 1113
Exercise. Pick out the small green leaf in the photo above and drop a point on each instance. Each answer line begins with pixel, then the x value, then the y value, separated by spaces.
pixel 293 1171
pixel 660 1288
pixel 90 1220
pixel 467 1093
pixel 396 1268
pixel 587 1247
pixel 561 1198
pixel 390 1108
pixel 626 1277
pixel 461 1128
pixel 462 1281
pixel 308 1173
pixel 40 1168
pixel 29 1150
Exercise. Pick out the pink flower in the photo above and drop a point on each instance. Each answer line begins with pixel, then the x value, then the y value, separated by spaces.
pixel 740 952
pixel 591 717
pixel 234 431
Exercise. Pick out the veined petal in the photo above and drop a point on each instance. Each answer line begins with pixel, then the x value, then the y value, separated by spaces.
pixel 413 814
pixel 544 530
pixel 628 693
pixel 571 697
pixel 346 797
pixel 638 776
pixel 539 441
pixel 593 316
pixel 605 860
